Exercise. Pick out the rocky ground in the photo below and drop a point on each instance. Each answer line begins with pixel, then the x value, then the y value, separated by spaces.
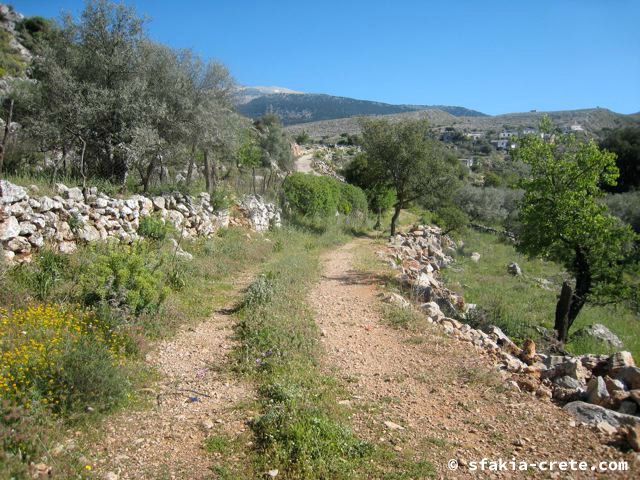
pixel 434 397
pixel 421 394
pixel 194 398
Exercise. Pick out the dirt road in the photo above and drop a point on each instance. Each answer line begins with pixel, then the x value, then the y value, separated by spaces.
pixel 445 401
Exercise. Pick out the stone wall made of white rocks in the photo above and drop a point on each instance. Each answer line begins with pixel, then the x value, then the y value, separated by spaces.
pixel 602 390
pixel 64 220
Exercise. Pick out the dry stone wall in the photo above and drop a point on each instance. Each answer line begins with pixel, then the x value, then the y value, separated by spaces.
pixel 602 390
pixel 70 217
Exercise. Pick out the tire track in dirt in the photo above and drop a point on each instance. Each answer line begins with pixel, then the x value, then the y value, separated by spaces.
pixel 444 398
pixel 195 397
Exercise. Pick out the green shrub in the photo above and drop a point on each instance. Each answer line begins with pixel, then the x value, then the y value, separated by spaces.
pixel 55 357
pixel 626 206
pixel 260 291
pixel 313 196
pixel 75 222
pixel 46 272
pixel 451 219
pixel 153 227
pixel 88 376
pixel 20 440
pixel 221 199
pixel 125 277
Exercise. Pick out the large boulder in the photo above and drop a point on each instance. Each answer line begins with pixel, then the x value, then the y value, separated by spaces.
pixel 620 360
pixel 630 376
pixel 597 392
pixel 599 332
pixel 594 414
pixel 9 228
pixel 514 269
pixel 10 193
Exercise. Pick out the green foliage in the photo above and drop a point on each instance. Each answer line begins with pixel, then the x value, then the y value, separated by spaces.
pixel 302 138
pixel 125 277
pixel 492 180
pixel 45 272
pixel 380 196
pixel 154 227
pixel 88 375
pixel 221 199
pixel 298 430
pixel 403 157
pixel 34 31
pixel 249 153
pixel 20 440
pixel 75 222
pixel 625 143
pixel 275 144
pixel 11 63
pixel 563 219
pixel 451 219
pixel 626 206
pixel 488 204
pixel 316 196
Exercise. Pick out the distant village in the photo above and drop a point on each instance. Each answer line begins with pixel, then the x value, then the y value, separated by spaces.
pixel 483 142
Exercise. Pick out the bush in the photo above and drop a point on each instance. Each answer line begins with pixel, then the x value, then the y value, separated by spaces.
pixel 488 204
pixel 46 272
pixel 20 439
pixel 313 196
pixel 626 206
pixel 126 278
pixel 88 376
pixel 54 356
pixel 153 227
pixel 450 218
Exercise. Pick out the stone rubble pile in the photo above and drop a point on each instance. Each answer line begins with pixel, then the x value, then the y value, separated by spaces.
pixel 64 220
pixel 321 166
pixel 603 390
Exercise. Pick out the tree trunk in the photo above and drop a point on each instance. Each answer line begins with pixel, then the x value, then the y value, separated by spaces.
pixel 207 173
pixel 5 139
pixel 394 219
pixel 82 172
pixel 264 182
pixel 64 159
pixel 378 220
pixel 253 175
pixel 147 176
pixel 583 285
pixel 571 302
pixel 192 160
pixel 562 312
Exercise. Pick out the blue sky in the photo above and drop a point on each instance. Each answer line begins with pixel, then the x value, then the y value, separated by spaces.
pixel 496 56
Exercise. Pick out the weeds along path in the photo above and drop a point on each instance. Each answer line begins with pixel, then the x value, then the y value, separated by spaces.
pixel 423 398
pixel 194 398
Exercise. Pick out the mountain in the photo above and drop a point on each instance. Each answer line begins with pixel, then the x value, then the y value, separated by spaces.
pixel 294 108
pixel 592 120
pixel 246 94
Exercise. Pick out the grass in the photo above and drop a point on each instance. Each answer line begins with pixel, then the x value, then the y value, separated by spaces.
pixel 519 304
pixel 300 429
pixel 88 375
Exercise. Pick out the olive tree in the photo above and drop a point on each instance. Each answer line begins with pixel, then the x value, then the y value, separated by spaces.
pixel 563 219
pixel 413 165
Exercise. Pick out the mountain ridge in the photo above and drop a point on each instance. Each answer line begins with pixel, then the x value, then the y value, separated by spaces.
pixel 298 108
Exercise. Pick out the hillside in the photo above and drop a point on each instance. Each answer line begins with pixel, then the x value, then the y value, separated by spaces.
pixel 296 108
pixel 593 120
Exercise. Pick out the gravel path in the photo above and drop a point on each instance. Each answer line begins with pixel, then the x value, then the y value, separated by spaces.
pixel 444 399
pixel 194 398
pixel 303 164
